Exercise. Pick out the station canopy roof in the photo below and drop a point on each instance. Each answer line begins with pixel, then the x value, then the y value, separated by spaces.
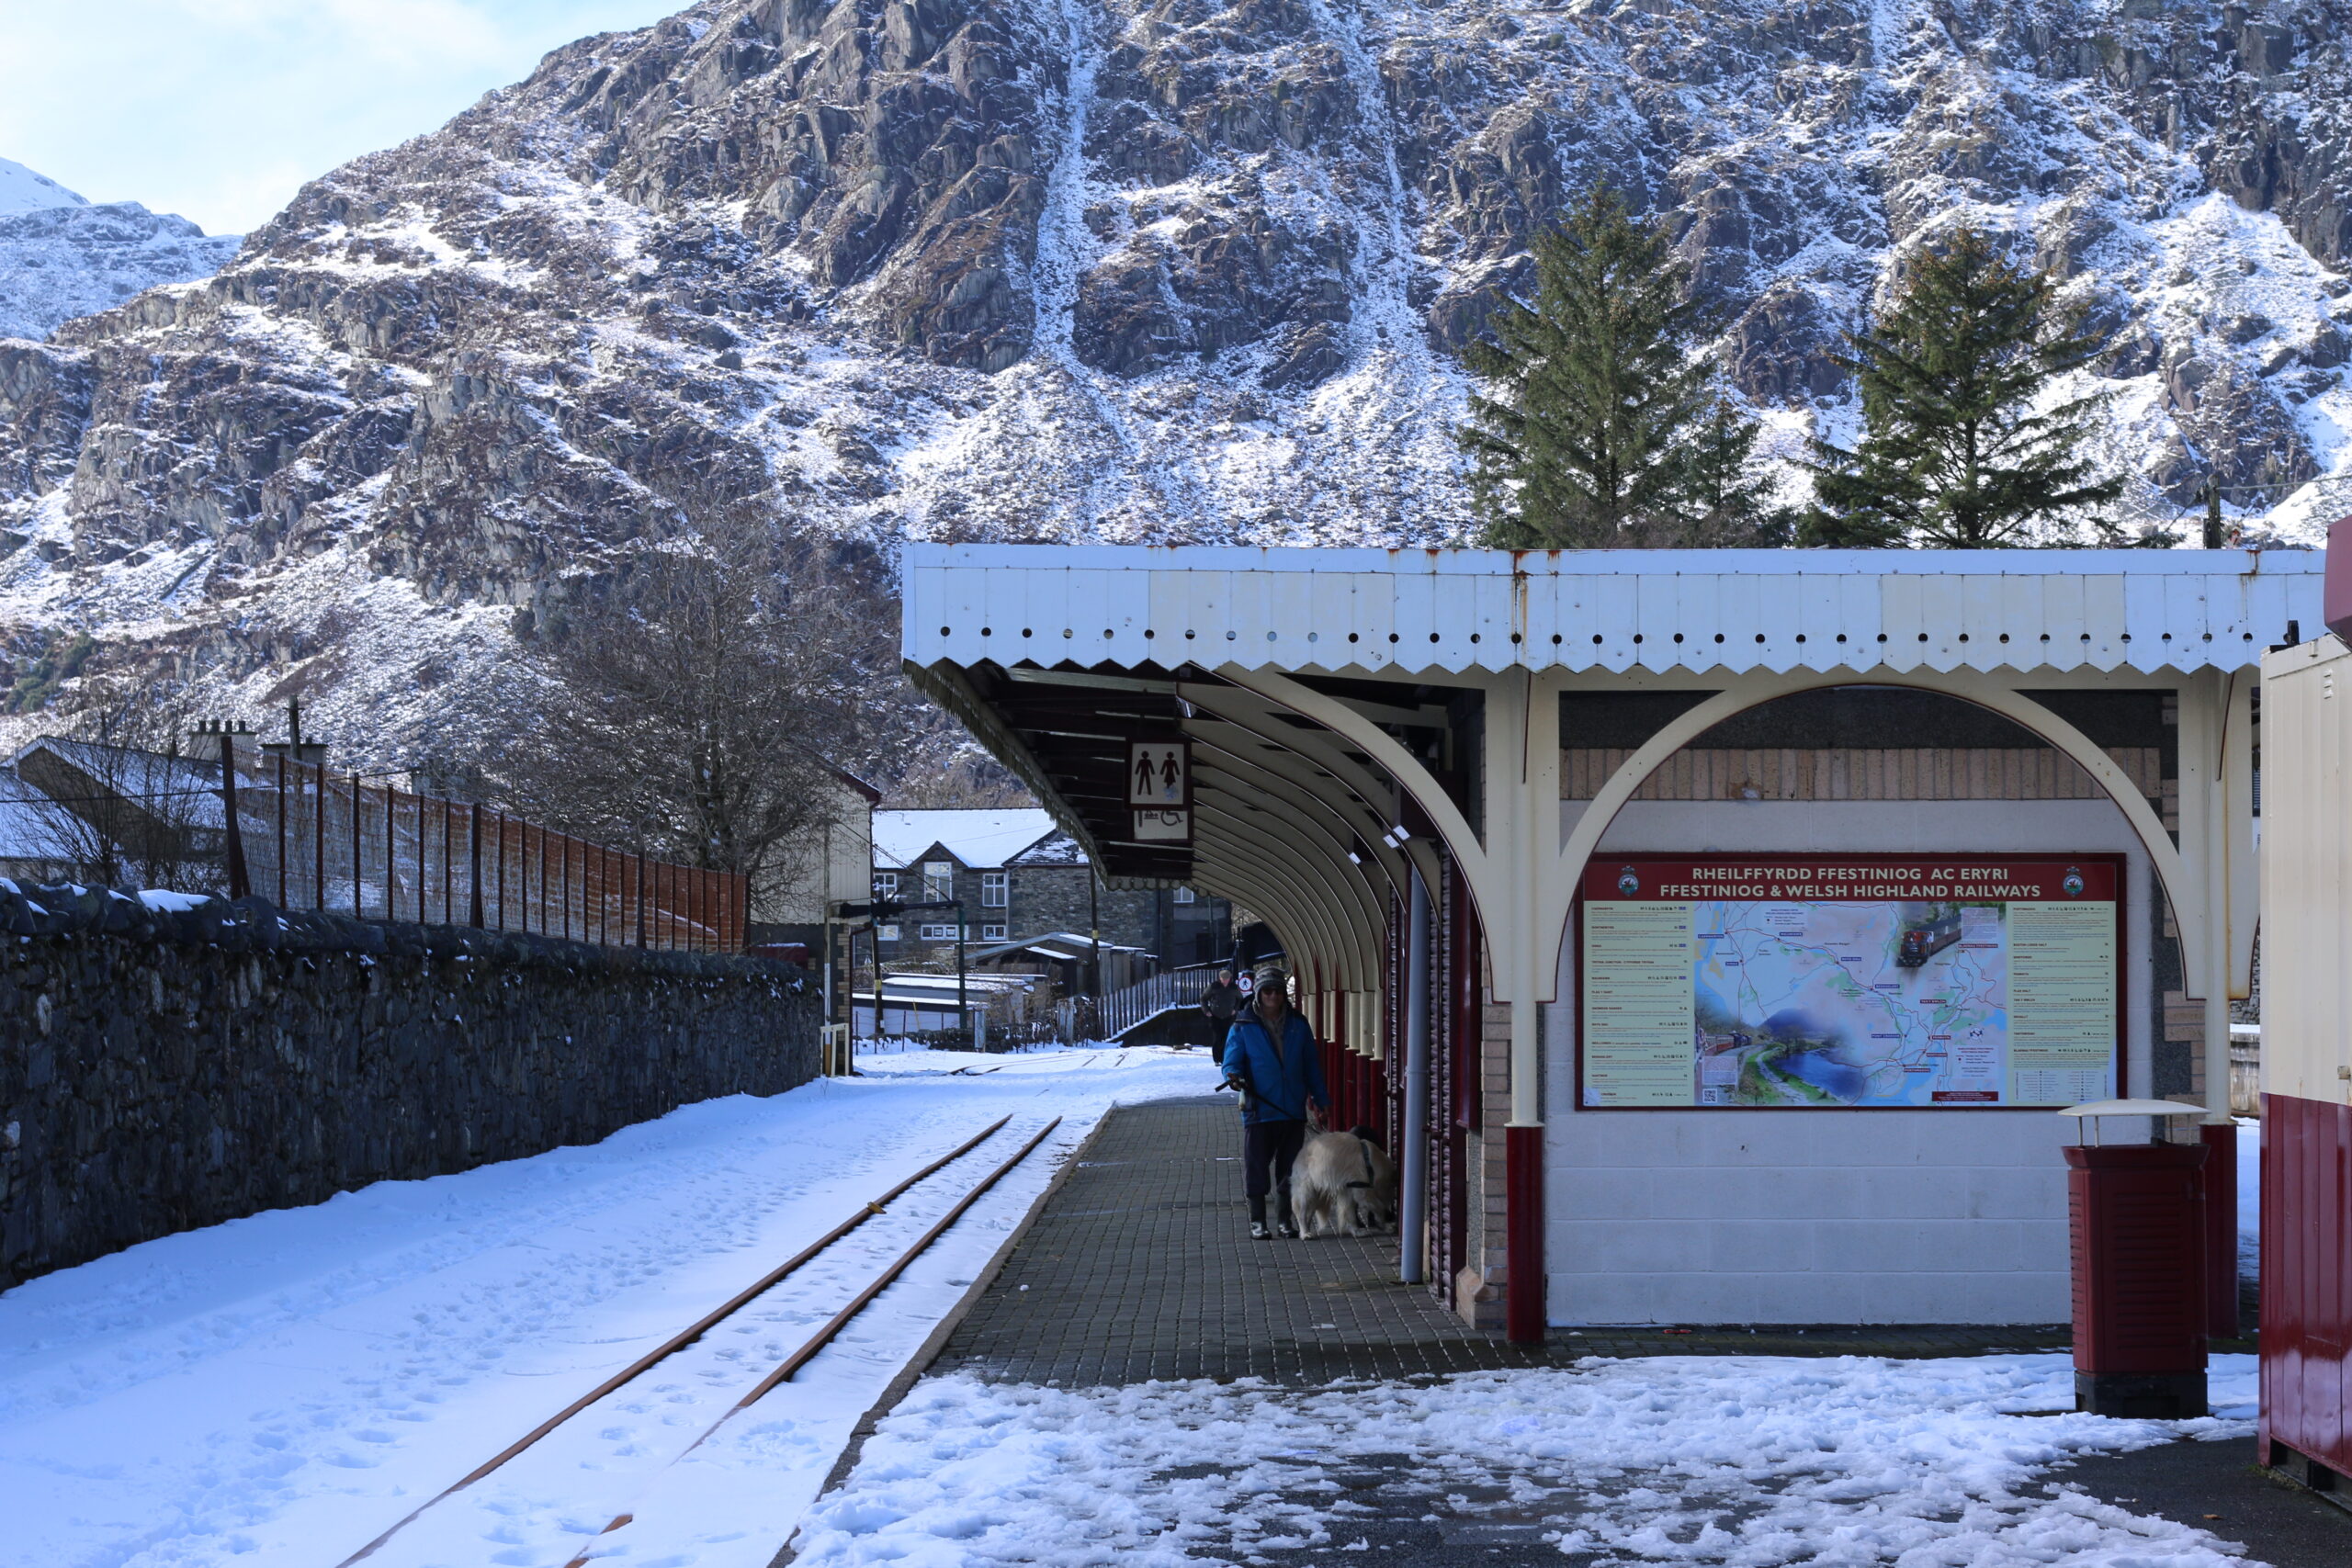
pixel 1058 655
pixel 1435 610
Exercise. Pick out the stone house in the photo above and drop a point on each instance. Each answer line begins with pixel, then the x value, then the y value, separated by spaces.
pixel 1019 876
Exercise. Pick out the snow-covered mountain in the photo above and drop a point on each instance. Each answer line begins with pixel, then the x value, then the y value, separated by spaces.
pixel 1116 269
pixel 29 190
pixel 62 256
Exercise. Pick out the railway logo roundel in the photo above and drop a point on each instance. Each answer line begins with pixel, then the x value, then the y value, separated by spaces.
pixel 2073 885
pixel 1628 882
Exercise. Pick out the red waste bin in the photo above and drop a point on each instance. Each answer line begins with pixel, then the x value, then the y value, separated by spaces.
pixel 2137 1212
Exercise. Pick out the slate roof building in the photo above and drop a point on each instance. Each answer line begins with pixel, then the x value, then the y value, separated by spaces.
pixel 1022 877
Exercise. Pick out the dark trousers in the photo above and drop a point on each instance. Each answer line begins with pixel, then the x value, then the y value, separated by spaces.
pixel 1269 1148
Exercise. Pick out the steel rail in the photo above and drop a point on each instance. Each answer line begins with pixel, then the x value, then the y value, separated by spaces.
pixel 839 1321
pixel 685 1337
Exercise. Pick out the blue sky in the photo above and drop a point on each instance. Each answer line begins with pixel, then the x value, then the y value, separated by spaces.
pixel 220 110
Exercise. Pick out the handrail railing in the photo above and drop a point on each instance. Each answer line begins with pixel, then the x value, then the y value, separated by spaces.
pixel 1123 1009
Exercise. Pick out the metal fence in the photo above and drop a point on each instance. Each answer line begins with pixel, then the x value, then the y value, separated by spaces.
pixel 307 838
pixel 1130 1004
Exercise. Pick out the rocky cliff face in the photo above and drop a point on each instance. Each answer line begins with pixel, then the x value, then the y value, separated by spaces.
pixel 1122 270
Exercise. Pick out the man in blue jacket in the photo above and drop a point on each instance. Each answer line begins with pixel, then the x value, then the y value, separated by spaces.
pixel 1271 1057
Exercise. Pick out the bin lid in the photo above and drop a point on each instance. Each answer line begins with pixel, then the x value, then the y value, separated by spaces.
pixel 2133 1108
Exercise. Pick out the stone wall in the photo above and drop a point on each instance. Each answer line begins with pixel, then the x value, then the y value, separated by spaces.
pixel 161 1069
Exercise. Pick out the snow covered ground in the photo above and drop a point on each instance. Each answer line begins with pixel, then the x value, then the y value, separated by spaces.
pixel 1744 1461
pixel 279 1389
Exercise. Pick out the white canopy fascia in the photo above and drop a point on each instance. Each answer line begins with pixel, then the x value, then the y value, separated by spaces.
pixel 1425 612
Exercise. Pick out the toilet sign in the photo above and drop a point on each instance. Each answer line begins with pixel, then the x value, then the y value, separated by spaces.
pixel 1159 773
pixel 1159 787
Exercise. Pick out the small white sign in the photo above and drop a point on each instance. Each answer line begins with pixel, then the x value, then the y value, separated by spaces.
pixel 1164 827
pixel 1159 774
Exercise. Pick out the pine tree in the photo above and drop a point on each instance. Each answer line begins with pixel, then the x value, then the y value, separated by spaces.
pixel 1954 453
pixel 1588 442
pixel 1725 503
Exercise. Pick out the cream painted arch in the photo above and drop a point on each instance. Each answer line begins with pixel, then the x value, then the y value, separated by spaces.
pixel 1310 929
pixel 1344 923
pixel 1318 985
pixel 1469 850
pixel 1262 899
pixel 1344 818
pixel 1748 691
pixel 1313 746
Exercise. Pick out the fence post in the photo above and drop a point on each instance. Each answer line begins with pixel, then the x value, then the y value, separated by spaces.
pixel 392 856
pixel 281 832
pixel 319 841
pixel 474 853
pixel 239 884
pixel 355 868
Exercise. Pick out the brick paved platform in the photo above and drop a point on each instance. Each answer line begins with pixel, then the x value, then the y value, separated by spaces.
pixel 1141 1267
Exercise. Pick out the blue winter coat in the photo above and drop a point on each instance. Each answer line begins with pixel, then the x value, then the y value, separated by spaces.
pixel 1281 1082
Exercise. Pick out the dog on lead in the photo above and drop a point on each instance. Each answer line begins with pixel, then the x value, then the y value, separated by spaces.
pixel 1343 1184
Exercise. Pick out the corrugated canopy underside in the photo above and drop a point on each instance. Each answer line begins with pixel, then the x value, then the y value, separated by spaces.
pixel 1428 612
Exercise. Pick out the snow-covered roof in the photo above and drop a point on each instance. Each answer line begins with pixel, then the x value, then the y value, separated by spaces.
pixel 187 789
pixel 1426 610
pixel 978 838
pixel 1061 945
pixel 25 832
pixel 1059 850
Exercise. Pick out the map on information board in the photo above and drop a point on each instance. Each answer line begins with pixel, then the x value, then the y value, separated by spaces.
pixel 1850 984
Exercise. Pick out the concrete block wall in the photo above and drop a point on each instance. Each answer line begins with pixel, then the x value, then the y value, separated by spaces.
pixel 165 1069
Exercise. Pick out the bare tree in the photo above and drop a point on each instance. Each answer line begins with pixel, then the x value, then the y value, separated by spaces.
pixel 693 703
pixel 122 801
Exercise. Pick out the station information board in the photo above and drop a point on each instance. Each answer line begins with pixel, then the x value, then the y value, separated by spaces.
pixel 1797 981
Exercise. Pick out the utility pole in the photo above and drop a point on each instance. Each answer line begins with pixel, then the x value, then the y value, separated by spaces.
pixel 963 1007
pixel 2213 539
pixel 234 842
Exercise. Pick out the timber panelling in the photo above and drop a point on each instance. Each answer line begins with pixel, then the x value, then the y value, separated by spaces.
pixel 1866 773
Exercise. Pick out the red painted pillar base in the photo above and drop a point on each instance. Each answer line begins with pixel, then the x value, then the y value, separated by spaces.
pixel 1523 1234
pixel 2220 1173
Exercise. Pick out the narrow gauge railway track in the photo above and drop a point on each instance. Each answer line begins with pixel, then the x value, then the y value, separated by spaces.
pixel 701 1326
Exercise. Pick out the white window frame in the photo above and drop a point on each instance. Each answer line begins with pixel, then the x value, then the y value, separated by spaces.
pixel 887 933
pixel 939 932
pixel 885 884
pixel 938 880
pixel 994 933
pixel 1186 895
pixel 996 889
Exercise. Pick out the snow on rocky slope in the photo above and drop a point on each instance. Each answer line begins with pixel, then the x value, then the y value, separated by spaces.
pixel 1119 270
pixel 62 256
pixel 29 190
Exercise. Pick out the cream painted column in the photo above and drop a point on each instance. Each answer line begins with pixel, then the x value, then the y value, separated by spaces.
pixel 2210 709
pixel 1522 809
pixel 1522 792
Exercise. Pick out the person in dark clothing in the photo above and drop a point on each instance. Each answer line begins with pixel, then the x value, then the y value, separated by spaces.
pixel 1271 1057
pixel 1221 1000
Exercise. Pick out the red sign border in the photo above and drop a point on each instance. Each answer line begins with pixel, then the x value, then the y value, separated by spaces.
pixel 1609 865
